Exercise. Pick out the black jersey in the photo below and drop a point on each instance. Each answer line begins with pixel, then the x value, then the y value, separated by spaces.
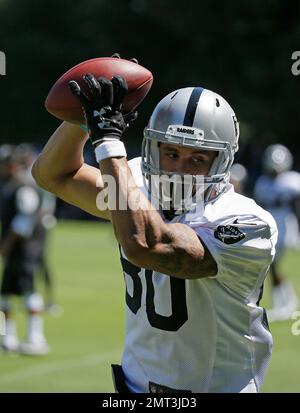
pixel 20 213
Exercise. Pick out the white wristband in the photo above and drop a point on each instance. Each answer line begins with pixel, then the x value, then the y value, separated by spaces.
pixel 110 149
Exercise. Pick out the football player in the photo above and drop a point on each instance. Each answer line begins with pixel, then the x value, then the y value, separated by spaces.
pixel 20 249
pixel 27 154
pixel 278 191
pixel 193 273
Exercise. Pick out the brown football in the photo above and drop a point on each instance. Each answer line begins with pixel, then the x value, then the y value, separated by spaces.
pixel 63 105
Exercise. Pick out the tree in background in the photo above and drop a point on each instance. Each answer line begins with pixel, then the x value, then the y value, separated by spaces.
pixel 240 49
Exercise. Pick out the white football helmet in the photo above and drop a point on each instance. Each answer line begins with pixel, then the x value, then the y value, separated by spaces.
pixel 277 158
pixel 196 118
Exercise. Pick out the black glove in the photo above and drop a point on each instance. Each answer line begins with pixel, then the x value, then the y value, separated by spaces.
pixel 117 56
pixel 103 110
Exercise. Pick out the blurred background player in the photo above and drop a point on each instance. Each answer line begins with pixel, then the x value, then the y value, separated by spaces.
pixel 20 247
pixel 278 191
pixel 26 154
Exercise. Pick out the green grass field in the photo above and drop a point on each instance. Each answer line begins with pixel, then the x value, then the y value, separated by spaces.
pixel 88 337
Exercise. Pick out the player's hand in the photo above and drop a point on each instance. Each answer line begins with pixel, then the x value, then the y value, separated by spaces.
pixel 103 110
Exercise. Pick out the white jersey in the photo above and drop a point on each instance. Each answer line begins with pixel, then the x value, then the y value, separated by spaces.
pixel 208 334
pixel 276 195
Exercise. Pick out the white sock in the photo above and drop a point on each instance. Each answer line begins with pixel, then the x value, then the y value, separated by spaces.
pixel 36 329
pixel 10 338
pixel 10 327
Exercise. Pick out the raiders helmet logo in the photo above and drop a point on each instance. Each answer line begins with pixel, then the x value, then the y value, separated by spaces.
pixel 228 234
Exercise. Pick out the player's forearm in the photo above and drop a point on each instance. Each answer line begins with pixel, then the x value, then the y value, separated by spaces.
pixel 62 155
pixel 148 242
pixel 135 221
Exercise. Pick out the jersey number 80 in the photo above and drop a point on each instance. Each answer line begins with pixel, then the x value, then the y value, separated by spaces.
pixel 178 298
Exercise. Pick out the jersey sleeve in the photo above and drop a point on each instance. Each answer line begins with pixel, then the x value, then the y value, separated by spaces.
pixel 135 167
pixel 243 252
